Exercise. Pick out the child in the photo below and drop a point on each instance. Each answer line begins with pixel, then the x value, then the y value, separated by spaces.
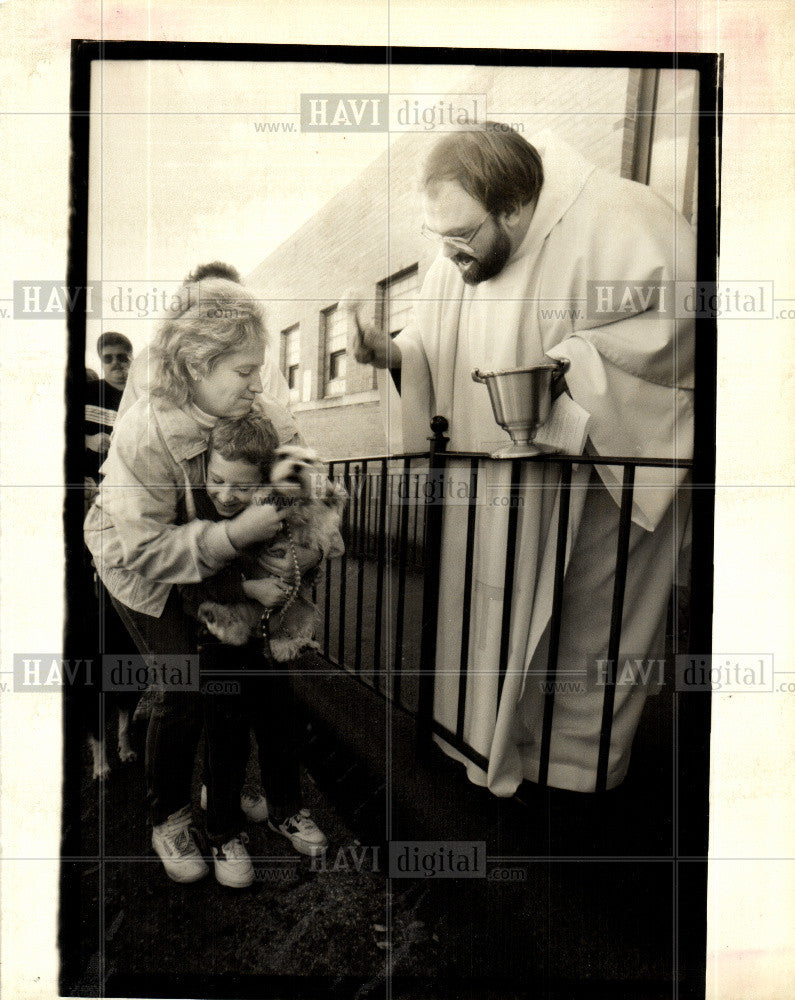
pixel 238 463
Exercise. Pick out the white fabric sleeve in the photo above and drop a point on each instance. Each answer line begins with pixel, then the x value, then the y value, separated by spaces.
pixel 631 417
pixel 416 401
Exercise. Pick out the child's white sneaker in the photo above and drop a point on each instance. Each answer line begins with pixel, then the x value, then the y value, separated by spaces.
pixel 303 833
pixel 232 863
pixel 174 844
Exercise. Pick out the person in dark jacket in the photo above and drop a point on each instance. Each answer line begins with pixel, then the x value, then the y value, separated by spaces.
pixel 103 397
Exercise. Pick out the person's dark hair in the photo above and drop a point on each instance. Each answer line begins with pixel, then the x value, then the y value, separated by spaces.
pixel 215 269
pixel 491 162
pixel 113 338
pixel 91 375
pixel 251 439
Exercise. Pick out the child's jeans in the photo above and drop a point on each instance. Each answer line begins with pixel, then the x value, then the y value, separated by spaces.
pixel 259 698
pixel 271 713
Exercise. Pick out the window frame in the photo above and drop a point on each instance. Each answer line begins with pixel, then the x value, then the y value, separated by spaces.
pixel 338 386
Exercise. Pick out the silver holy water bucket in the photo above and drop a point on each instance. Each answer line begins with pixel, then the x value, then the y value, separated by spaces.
pixel 522 401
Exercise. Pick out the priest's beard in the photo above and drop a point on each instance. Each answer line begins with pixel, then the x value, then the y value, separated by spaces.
pixel 473 270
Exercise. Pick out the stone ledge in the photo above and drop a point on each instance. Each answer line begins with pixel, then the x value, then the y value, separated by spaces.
pixel 335 402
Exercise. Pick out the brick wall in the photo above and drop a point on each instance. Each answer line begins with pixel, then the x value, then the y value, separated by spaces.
pixel 344 430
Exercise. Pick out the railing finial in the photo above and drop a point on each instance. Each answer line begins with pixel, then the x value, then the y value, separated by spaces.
pixel 439 424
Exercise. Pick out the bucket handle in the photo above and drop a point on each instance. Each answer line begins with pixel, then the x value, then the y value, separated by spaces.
pixel 563 366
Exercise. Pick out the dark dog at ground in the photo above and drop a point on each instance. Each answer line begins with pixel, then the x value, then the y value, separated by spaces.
pixel 122 705
pixel 108 634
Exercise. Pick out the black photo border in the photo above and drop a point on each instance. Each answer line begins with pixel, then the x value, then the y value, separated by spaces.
pixel 694 709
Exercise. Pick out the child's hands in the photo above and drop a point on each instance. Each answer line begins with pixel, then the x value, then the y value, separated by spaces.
pixel 270 592
pixel 254 524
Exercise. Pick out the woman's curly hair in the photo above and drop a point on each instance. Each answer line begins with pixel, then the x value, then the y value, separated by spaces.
pixel 216 316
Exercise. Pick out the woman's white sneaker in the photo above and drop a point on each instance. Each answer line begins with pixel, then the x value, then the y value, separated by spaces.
pixel 174 844
pixel 255 807
pixel 303 833
pixel 232 863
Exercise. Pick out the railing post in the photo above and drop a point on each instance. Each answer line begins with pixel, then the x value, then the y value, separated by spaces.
pixel 434 513
pixel 381 563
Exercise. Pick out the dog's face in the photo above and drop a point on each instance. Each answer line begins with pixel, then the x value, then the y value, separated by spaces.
pixel 296 474
pixel 298 481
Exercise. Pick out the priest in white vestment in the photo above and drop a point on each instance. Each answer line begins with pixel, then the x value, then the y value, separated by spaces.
pixel 523 230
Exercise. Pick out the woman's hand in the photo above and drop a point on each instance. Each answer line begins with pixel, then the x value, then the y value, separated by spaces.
pixel 254 524
pixel 276 561
pixel 270 592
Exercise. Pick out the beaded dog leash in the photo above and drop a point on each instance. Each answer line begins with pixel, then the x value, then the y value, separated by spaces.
pixel 265 620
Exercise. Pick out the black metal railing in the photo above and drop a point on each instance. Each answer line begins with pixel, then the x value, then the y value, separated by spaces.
pixel 366 479
pixel 381 599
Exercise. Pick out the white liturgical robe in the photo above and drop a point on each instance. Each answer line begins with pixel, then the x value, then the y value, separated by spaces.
pixel 632 371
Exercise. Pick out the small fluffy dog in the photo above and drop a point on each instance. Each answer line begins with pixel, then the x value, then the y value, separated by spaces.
pixel 297 481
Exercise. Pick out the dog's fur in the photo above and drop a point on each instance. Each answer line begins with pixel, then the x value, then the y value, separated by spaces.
pixel 124 704
pixel 315 505
pixel 105 631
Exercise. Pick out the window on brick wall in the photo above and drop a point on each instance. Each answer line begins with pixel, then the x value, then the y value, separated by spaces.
pixel 397 298
pixel 335 339
pixel 290 359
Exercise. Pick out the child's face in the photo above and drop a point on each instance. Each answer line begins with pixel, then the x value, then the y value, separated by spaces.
pixel 231 483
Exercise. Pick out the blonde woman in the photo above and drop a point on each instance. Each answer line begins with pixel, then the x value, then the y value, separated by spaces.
pixel 143 532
